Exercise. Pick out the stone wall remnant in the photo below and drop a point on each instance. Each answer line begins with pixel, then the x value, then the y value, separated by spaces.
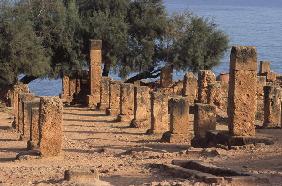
pixel 242 98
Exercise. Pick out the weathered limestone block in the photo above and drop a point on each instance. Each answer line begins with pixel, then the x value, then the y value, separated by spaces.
pixel 95 72
pixel 27 107
pixel 141 107
pixel 264 68
pixel 205 119
pixel 242 100
pixel 126 102
pixel 190 87
pixel 159 113
pixel 166 76
pixel 114 106
pixel 105 93
pixel 23 97
pixel 205 78
pixel 179 121
pixel 50 126
pixel 214 94
pixel 261 82
pixel 66 88
pixel 272 107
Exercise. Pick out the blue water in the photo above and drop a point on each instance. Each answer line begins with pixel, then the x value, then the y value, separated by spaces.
pixel 247 22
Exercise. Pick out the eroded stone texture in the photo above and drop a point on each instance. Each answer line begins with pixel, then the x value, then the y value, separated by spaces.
pixel 159 113
pixel 66 88
pixel 114 106
pixel 264 67
pixel 190 87
pixel 126 102
pixel 34 130
pixel 23 97
pixel 204 119
pixel 272 106
pixel 205 78
pixel 95 72
pixel 141 107
pixel 242 100
pixel 179 121
pixel 166 76
pixel 261 82
pixel 27 107
pixel 105 93
pixel 50 126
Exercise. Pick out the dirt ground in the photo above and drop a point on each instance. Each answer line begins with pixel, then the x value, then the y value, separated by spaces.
pixel 124 156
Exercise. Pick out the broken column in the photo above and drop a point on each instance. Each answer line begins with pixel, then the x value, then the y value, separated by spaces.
pixel 166 76
pixel 104 93
pixel 242 99
pixel 272 107
pixel 179 127
pixel 114 98
pixel 204 119
pixel 261 82
pixel 50 126
pixel 205 78
pixel 141 107
pixel 264 68
pixel 95 72
pixel 22 121
pixel 34 129
pixel 126 102
pixel 190 87
pixel 66 88
pixel 159 113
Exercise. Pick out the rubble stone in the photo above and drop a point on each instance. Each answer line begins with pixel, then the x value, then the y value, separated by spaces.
pixel 242 100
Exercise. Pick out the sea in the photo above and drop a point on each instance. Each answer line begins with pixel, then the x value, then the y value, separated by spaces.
pixel 247 22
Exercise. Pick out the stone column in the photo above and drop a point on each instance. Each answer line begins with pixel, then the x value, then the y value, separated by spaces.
pixel 179 121
pixel 204 119
pixel 141 107
pixel 264 68
pixel 242 99
pixel 66 88
pixel 159 113
pixel 50 126
pixel 261 82
pixel 95 72
pixel 166 76
pixel 272 107
pixel 190 87
pixel 27 107
pixel 126 102
pixel 114 98
pixel 205 78
pixel 105 93
pixel 23 97
pixel 34 130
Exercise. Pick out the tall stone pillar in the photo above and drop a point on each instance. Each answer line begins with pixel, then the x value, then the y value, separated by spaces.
pixel 272 107
pixel 126 102
pixel 22 121
pixel 50 126
pixel 261 82
pixel 141 107
pixel 242 99
pixel 104 93
pixel 190 87
pixel 34 129
pixel 66 88
pixel 205 78
pixel 159 113
pixel 114 98
pixel 95 72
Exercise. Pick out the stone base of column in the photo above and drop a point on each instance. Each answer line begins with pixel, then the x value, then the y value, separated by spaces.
pixel 92 101
pixel 142 124
pixel 124 118
pixel 169 137
pixel 112 112
pixel 32 145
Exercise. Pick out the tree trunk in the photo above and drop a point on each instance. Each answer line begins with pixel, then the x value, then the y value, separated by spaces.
pixel 151 73
pixel 107 67
pixel 28 79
